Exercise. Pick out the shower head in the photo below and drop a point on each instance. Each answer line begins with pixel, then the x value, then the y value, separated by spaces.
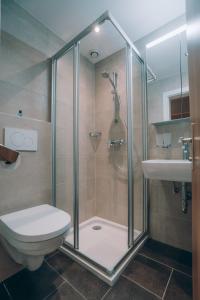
pixel 112 81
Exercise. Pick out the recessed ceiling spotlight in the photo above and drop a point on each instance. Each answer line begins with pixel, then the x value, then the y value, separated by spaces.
pixel 96 28
pixel 94 53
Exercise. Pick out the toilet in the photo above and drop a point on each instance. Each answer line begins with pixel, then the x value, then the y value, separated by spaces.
pixel 30 234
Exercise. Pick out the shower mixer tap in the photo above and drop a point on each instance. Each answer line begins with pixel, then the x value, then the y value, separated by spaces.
pixel 117 142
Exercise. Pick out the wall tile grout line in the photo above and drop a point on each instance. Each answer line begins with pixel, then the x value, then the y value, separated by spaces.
pixel 41 121
pixel 138 284
pixel 106 293
pixel 74 288
pixel 155 260
pixel 7 291
pixel 177 270
pixel 55 270
pixel 167 284
pixel 51 255
pixel 158 261
pixel 54 291
pixel 29 90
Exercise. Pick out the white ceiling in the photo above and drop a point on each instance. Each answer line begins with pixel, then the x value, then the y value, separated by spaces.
pixel 106 42
pixel 137 17
pixel 140 19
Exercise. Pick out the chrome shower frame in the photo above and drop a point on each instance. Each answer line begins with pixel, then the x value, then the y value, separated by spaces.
pixel 72 251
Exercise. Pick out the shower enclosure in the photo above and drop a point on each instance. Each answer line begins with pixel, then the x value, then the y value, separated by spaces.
pixel 98 143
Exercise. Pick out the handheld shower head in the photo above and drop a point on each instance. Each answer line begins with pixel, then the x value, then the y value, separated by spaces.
pixel 112 81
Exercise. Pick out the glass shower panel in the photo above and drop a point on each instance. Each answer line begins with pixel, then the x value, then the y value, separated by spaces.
pixel 138 147
pixel 94 142
pixel 86 149
pixel 103 180
pixel 64 135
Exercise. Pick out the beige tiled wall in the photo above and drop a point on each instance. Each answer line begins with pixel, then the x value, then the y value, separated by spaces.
pixel 25 48
pixel 103 184
pixel 64 157
pixel 167 222
pixel 64 133
pixel 25 85
pixel 86 151
pixel 111 163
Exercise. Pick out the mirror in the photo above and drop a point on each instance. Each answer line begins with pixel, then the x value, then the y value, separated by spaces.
pixel 168 88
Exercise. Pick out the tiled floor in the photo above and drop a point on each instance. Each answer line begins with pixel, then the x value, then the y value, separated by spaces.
pixel 157 272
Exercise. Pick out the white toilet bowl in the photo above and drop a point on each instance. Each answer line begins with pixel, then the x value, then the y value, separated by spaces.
pixel 29 234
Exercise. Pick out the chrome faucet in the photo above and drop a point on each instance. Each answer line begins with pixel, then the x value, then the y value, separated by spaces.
pixel 186 147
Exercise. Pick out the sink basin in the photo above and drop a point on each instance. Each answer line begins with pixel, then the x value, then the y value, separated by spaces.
pixel 170 170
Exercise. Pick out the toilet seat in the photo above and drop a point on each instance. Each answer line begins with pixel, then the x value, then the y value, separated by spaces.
pixel 34 224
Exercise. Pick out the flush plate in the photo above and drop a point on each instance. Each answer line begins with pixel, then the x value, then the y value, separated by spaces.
pixel 21 139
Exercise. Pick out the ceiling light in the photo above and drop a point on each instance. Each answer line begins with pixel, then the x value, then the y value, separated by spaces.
pixel 167 36
pixel 96 28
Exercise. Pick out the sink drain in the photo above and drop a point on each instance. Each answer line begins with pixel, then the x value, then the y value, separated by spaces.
pixel 96 227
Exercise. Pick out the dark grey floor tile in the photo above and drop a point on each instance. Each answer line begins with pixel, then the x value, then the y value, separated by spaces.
pixel 84 281
pixel 173 257
pixel 179 288
pixel 3 293
pixel 149 274
pixel 126 290
pixel 51 254
pixel 33 285
pixel 65 292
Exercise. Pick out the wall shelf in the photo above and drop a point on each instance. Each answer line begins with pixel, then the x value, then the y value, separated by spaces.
pixel 171 122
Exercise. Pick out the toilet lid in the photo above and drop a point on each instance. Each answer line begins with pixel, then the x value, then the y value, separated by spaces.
pixel 35 224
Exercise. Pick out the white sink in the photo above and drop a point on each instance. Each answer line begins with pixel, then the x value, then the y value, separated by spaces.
pixel 170 170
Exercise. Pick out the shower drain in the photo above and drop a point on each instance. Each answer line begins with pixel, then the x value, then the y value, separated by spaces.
pixel 96 227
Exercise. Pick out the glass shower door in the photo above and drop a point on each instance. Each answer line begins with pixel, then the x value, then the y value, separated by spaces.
pixel 64 135
pixel 99 143
pixel 139 146
pixel 103 167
